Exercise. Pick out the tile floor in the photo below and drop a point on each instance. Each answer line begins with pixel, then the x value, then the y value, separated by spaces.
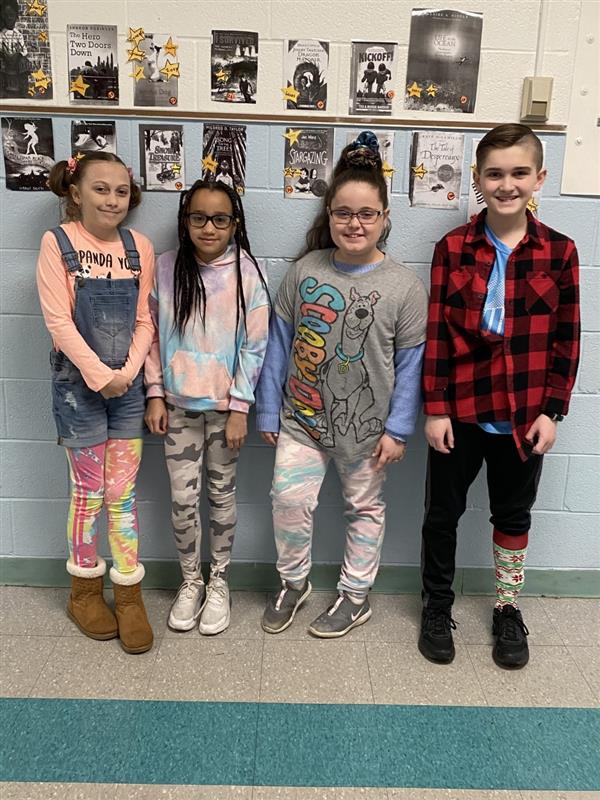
pixel 44 655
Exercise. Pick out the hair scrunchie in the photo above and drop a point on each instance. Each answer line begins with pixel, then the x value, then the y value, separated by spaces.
pixel 364 151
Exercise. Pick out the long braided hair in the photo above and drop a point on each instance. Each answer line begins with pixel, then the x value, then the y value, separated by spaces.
pixel 189 294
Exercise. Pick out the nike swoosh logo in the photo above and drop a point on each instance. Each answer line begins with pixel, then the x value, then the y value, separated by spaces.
pixel 354 617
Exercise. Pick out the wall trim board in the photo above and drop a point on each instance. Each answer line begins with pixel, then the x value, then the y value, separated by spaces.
pixel 278 119
pixel 392 579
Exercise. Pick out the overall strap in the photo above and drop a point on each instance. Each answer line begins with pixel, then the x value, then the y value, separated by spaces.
pixel 67 252
pixel 133 257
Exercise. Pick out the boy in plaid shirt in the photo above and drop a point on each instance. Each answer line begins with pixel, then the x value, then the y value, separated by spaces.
pixel 500 363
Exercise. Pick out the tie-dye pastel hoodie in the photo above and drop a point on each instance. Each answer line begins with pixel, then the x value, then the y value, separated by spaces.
pixel 208 368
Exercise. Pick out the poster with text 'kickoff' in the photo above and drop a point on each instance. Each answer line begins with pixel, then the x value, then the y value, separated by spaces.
pixel 155 69
pixel 443 60
pixel 28 148
pixel 476 201
pixel 234 66
pixel 436 169
pixel 161 158
pixel 91 136
pixel 372 78
pixel 306 70
pixel 93 64
pixel 385 140
pixel 25 69
pixel 308 162
pixel 224 155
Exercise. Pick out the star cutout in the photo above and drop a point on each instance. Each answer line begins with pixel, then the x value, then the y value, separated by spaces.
pixel 175 169
pixel 414 90
pixel 221 75
pixel 43 36
pixel 420 171
pixel 41 80
pixel 137 74
pixel 432 90
pixel 292 136
pixel 135 54
pixel 36 7
pixel 171 48
pixel 79 85
pixel 387 169
pixel 209 164
pixel 289 93
pixel 170 69
pixel 136 35
pixel 79 155
pixel 533 205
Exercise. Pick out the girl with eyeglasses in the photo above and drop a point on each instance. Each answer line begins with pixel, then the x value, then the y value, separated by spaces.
pixel 210 307
pixel 341 383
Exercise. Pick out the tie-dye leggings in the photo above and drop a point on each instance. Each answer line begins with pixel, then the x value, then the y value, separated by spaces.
pixel 299 474
pixel 104 475
pixel 191 435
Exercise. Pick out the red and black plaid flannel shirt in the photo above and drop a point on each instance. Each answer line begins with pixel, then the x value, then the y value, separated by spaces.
pixel 476 376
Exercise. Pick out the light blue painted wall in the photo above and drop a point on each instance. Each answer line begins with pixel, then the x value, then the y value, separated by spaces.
pixel 34 486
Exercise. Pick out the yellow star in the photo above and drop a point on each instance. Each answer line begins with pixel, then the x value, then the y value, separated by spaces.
pixel 221 75
pixel 78 156
pixel 209 164
pixel 171 48
pixel 387 169
pixel 135 54
pixel 136 35
pixel 292 136
pixel 289 93
pixel 414 90
pixel 170 69
pixel 137 74
pixel 79 85
pixel 36 7
pixel 473 167
pixel 533 205
pixel 420 171
pixel 432 90
pixel 288 172
pixel 43 36
pixel 175 169
pixel 41 80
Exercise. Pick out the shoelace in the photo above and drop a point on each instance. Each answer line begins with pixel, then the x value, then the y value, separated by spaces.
pixel 216 587
pixel 509 627
pixel 440 622
pixel 186 588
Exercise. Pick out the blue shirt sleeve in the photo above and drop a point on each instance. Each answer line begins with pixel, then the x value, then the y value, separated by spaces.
pixel 269 391
pixel 406 398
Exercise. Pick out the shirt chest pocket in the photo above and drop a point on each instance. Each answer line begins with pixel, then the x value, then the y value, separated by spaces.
pixel 541 293
pixel 466 289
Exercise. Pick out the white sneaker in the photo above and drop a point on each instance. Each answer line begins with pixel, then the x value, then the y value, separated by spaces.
pixel 187 605
pixel 215 614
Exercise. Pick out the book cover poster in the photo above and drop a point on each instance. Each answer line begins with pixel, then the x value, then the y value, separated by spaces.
pixel 386 151
pixel 156 72
pixel 90 136
pixel 477 203
pixel 308 162
pixel 161 158
pixel 25 69
pixel 443 60
pixel 93 64
pixel 435 169
pixel 306 69
pixel 28 148
pixel 224 155
pixel 234 66
pixel 372 78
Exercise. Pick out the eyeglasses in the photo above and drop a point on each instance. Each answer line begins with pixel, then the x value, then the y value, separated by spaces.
pixel 366 216
pixel 220 221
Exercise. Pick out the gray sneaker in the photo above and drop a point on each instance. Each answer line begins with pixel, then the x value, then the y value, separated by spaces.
pixel 340 618
pixel 282 606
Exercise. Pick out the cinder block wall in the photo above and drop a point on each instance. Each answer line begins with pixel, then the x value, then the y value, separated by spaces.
pixel 34 496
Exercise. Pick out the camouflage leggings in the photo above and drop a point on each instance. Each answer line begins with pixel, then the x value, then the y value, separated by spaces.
pixel 191 435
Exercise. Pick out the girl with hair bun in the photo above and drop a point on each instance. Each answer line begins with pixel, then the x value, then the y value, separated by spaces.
pixel 341 383
pixel 94 278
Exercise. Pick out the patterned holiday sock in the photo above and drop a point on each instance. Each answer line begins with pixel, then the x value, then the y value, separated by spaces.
pixel 509 560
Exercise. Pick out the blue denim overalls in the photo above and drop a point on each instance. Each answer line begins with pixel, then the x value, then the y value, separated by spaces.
pixel 104 314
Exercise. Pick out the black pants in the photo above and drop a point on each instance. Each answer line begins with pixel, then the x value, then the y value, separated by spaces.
pixel 512 489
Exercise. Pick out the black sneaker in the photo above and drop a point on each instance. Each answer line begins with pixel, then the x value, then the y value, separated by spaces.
pixel 282 606
pixel 435 641
pixel 511 650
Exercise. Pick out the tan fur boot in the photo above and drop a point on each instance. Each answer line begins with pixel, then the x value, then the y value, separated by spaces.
pixel 86 606
pixel 134 629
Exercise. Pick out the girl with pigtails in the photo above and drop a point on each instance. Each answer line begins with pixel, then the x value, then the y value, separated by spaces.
pixel 94 278
pixel 341 383
pixel 210 306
